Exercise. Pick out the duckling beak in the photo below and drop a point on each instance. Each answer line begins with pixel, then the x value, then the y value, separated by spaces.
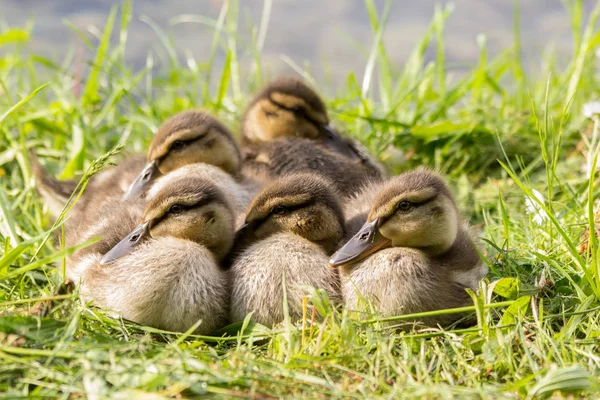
pixel 128 243
pixel 243 235
pixel 334 142
pixel 367 241
pixel 143 180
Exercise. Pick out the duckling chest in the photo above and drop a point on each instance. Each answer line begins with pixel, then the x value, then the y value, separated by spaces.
pixel 393 267
pixel 269 260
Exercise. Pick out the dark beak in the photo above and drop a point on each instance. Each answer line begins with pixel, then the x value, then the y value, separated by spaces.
pixel 244 236
pixel 334 142
pixel 367 241
pixel 143 181
pixel 127 245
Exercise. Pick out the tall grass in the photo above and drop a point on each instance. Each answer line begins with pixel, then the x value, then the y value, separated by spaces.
pixel 514 146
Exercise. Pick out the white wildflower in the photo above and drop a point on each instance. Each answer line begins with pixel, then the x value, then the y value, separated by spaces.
pixel 590 109
pixel 533 208
pixel 598 53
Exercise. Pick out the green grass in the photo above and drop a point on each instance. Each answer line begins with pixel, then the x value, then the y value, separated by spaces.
pixel 498 133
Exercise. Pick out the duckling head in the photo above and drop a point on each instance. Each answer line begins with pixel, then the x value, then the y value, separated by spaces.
pixel 415 209
pixel 187 138
pixel 287 107
pixel 186 207
pixel 302 204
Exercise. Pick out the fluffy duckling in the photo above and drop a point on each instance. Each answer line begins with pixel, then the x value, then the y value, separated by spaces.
pixel 186 138
pixel 413 254
pixel 286 130
pixel 292 226
pixel 189 137
pixel 165 273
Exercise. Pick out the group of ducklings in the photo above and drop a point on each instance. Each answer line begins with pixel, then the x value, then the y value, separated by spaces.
pixel 211 230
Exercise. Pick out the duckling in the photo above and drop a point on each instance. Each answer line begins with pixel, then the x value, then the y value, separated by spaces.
pixel 286 129
pixel 291 228
pixel 165 273
pixel 189 137
pixel 413 254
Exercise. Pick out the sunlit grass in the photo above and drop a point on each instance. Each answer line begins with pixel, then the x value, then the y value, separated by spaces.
pixel 499 134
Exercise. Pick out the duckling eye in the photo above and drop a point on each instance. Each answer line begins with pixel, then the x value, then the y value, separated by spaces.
pixel 278 210
pixel 176 209
pixel 404 205
pixel 176 145
pixel 299 111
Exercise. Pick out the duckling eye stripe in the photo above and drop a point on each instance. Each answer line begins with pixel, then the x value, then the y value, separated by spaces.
pixel 188 141
pixel 185 207
pixel 418 203
pixel 396 208
pixel 301 111
pixel 258 222
pixel 166 147
pixel 278 104
pixel 295 207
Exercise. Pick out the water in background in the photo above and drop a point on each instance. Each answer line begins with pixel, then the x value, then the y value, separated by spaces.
pixel 331 37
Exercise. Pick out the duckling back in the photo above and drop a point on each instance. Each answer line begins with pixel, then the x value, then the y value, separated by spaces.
pixel 286 156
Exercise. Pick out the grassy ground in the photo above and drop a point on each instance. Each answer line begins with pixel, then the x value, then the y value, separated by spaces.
pixel 515 147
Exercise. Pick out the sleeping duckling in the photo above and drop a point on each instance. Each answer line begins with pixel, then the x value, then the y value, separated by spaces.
pixel 189 137
pixel 186 138
pixel 165 273
pixel 291 228
pixel 286 130
pixel 413 254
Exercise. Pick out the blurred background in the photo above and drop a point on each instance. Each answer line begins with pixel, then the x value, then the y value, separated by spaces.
pixel 328 38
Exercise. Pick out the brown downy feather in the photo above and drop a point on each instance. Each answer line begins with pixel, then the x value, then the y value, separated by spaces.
pixel 286 156
pixel 111 222
pixel 54 192
pixel 105 186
